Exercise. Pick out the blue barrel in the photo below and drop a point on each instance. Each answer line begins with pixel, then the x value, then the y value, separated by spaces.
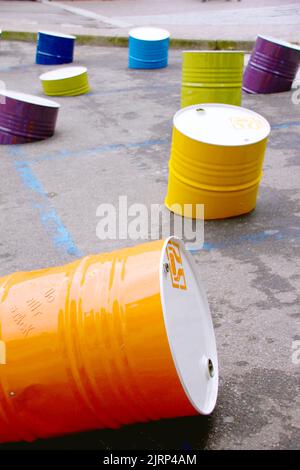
pixel 54 48
pixel 148 48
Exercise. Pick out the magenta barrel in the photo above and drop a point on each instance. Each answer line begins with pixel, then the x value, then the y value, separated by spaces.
pixel 26 118
pixel 272 67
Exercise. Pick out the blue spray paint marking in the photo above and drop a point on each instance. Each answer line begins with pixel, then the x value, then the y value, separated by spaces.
pixel 54 227
pixel 28 178
pixel 252 238
pixel 285 125
pixel 97 150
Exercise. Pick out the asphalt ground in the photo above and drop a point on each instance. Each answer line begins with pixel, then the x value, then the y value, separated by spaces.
pixel 116 141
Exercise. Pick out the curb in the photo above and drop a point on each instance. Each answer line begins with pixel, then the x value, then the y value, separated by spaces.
pixel 120 41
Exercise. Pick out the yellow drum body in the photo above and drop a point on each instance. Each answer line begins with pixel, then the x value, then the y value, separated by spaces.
pixel 88 345
pixel 225 178
pixel 212 77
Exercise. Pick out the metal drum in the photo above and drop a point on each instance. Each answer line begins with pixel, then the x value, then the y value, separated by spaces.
pixel 67 81
pixel 54 48
pixel 26 118
pixel 108 340
pixel 148 48
pixel 212 77
pixel 216 160
pixel 272 67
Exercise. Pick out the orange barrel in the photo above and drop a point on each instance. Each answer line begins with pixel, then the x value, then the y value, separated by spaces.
pixel 216 160
pixel 108 340
pixel 212 77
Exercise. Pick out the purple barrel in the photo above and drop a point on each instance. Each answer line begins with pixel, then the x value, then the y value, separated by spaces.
pixel 26 118
pixel 272 67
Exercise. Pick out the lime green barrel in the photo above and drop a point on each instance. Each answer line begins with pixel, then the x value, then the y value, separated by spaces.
pixel 66 81
pixel 212 77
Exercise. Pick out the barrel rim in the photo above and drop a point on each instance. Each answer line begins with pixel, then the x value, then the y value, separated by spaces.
pixel 75 92
pixel 279 42
pixel 30 99
pixel 213 52
pixel 222 105
pixel 59 35
pixel 202 396
pixel 77 71
pixel 165 34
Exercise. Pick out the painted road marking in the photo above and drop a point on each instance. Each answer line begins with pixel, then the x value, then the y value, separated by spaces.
pixel 49 218
pixel 96 150
pixel 89 14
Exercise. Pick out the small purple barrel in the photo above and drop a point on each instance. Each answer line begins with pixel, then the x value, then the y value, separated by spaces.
pixel 272 67
pixel 26 118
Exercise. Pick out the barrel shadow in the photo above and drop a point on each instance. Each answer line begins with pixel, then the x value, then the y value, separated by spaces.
pixel 190 433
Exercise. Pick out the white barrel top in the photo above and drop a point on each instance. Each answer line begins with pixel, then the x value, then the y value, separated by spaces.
pixel 149 34
pixel 221 124
pixel 65 72
pixel 189 326
pixel 59 35
pixel 32 99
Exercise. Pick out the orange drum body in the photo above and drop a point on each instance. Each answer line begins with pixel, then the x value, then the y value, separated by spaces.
pixel 88 345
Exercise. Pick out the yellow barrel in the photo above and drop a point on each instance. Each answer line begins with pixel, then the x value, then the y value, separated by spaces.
pixel 66 81
pixel 216 160
pixel 212 77
pixel 108 340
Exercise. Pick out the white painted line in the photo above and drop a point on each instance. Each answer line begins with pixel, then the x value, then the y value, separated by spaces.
pixel 88 14
pixel 69 25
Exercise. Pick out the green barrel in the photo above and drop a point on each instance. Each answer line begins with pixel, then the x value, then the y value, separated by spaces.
pixel 212 77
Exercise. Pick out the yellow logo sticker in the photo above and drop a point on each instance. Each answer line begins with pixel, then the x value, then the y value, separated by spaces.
pixel 242 123
pixel 176 267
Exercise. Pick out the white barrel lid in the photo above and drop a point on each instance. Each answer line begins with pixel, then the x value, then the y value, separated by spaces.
pixel 147 33
pixel 189 326
pixel 62 73
pixel 32 99
pixel 280 42
pixel 221 124
pixel 59 35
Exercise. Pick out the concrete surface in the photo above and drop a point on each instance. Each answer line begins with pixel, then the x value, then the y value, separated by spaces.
pixel 185 19
pixel 116 141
